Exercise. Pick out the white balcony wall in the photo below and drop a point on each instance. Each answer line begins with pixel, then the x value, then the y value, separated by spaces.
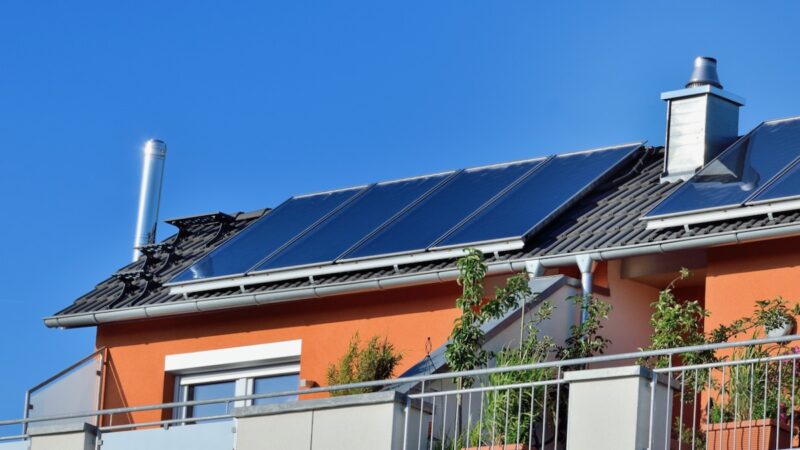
pixel 204 436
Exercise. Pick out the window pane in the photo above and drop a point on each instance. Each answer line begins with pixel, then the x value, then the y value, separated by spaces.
pixel 279 383
pixel 210 391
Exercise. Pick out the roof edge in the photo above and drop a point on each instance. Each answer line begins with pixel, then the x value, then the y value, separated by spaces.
pixel 396 281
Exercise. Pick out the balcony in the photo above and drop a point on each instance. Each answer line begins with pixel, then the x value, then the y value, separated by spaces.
pixel 737 395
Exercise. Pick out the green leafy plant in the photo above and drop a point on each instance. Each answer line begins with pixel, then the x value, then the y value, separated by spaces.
pixel 465 350
pixel 743 391
pixel 584 338
pixel 500 407
pixel 376 360
pixel 774 313
pixel 676 324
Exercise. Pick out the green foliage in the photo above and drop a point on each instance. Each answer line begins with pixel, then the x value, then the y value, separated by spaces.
pixel 500 407
pixel 680 324
pixel 500 420
pixel 774 313
pixel 465 350
pixel 675 323
pixel 374 361
pixel 584 338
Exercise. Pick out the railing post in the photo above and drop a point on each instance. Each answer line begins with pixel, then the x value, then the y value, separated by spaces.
pixel 80 436
pixel 615 408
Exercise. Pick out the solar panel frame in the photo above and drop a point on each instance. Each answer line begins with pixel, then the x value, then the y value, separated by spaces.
pixel 746 201
pixel 635 146
pixel 344 259
pixel 433 248
pixel 222 246
pixel 775 181
pixel 448 175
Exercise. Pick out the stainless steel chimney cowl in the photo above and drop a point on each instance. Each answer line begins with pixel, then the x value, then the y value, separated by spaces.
pixel 155 153
pixel 704 73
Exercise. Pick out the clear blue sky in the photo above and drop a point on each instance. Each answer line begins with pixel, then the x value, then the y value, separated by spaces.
pixel 258 101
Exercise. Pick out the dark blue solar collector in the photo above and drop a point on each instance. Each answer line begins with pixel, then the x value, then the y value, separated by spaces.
pixel 422 225
pixel 266 235
pixel 737 174
pixel 353 222
pixel 537 198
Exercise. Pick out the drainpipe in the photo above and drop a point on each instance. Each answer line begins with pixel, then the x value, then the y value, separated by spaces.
pixel 586 265
pixel 535 269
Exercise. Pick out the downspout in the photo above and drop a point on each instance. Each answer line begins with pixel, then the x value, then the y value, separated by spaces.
pixel 586 265
pixel 535 269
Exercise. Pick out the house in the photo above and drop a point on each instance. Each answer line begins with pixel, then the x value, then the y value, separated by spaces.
pixel 254 302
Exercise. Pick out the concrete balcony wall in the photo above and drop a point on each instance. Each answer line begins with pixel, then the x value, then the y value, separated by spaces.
pixel 203 436
pixel 372 421
pixel 614 404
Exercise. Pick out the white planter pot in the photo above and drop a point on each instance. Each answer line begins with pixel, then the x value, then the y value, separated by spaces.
pixel 785 330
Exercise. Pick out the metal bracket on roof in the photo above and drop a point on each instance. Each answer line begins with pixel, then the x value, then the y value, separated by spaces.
pixel 151 250
pixel 128 279
pixel 396 268
pixel 686 228
pixel 771 217
pixel 182 222
pixel 311 279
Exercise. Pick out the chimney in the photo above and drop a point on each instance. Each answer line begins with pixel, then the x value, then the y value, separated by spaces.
pixel 155 152
pixel 702 120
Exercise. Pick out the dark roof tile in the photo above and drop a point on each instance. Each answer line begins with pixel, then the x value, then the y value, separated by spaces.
pixel 607 217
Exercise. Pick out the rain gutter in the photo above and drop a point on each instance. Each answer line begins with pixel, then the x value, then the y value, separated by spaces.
pixel 395 281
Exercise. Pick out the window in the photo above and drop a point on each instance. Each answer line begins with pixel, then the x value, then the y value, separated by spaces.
pixel 234 372
pixel 235 383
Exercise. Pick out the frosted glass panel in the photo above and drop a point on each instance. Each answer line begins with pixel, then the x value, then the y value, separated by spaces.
pixel 77 390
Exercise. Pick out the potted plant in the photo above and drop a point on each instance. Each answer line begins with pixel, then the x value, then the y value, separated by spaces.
pixel 680 323
pixel 776 318
pixel 765 420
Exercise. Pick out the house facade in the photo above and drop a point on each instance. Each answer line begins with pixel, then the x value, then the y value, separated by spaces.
pixel 184 322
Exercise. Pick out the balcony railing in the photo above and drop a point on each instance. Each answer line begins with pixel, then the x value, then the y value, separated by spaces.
pixel 738 395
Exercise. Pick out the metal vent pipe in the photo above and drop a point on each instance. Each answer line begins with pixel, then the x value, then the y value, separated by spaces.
pixel 155 152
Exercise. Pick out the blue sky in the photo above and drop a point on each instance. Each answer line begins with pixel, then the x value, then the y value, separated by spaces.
pixel 261 100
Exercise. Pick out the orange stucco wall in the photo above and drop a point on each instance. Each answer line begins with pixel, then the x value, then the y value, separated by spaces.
pixel 407 316
pixel 739 275
pixel 628 324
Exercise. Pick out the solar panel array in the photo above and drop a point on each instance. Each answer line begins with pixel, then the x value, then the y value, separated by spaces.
pixel 760 167
pixel 469 207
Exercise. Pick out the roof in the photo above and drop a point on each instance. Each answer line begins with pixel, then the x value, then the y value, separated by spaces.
pixel 608 217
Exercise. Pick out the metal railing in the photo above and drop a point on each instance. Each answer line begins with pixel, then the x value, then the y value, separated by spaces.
pixel 526 406
pixel 746 399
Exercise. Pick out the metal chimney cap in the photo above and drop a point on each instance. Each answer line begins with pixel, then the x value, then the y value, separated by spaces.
pixel 704 73
pixel 155 147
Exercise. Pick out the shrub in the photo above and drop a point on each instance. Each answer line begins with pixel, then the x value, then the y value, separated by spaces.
pixel 376 360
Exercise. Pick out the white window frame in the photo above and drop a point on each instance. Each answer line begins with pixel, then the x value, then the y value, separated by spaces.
pixel 239 364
